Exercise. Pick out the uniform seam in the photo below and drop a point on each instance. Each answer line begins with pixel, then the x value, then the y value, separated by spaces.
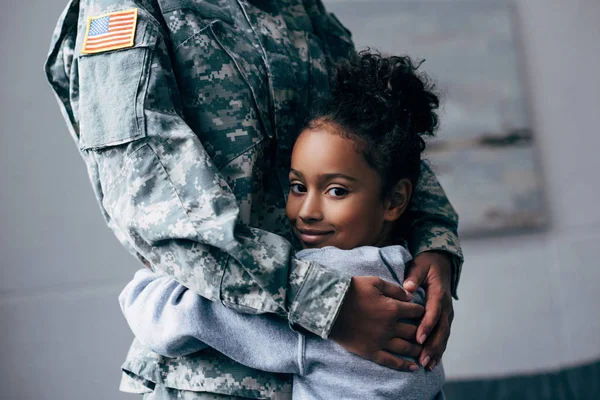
pixel 301 354
pixel 140 128
pixel 240 70
pixel 193 35
pixel 152 17
pixel 240 154
pixel 224 265
pixel 198 236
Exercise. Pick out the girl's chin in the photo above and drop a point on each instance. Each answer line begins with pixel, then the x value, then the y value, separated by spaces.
pixel 341 246
pixel 314 245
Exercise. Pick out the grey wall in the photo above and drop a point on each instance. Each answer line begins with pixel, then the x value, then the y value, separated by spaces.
pixel 61 332
pixel 527 303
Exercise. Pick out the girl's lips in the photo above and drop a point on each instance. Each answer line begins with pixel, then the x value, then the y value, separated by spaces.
pixel 313 237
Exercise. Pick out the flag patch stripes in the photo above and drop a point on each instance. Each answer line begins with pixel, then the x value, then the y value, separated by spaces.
pixel 110 31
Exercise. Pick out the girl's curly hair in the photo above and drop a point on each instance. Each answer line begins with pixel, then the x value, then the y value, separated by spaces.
pixel 386 106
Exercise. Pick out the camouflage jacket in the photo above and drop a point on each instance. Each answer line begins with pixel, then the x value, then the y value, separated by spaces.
pixel 187 133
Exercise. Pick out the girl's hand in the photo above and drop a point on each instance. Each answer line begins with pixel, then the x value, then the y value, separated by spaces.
pixel 368 326
pixel 431 270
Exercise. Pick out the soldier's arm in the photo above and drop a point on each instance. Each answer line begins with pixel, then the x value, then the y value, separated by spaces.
pixel 433 223
pixel 161 193
pixel 172 321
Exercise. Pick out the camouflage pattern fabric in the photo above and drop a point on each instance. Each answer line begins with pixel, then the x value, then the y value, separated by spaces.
pixel 187 136
pixel 171 394
pixel 205 371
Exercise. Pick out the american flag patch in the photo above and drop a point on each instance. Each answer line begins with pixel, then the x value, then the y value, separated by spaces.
pixel 110 31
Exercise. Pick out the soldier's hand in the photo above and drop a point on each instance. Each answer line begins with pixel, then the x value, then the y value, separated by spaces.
pixel 368 326
pixel 431 270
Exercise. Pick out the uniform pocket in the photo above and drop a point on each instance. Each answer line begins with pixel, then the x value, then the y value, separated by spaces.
pixel 112 89
pixel 225 98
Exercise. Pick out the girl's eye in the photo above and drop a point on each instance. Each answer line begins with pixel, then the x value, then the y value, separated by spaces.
pixel 297 188
pixel 337 192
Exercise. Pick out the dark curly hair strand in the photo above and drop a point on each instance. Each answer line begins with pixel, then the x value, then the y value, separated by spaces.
pixel 386 106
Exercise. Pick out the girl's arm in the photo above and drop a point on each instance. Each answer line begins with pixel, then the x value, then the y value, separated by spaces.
pixel 173 321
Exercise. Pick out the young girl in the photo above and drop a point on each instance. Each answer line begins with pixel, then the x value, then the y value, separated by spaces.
pixel 351 178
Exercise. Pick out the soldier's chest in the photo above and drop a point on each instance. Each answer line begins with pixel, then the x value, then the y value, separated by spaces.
pixel 246 73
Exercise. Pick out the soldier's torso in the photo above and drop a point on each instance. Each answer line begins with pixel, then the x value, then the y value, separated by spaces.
pixel 246 72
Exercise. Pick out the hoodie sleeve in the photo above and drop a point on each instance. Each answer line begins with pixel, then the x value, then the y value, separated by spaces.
pixel 173 321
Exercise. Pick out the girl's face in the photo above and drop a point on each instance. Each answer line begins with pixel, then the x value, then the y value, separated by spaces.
pixel 335 196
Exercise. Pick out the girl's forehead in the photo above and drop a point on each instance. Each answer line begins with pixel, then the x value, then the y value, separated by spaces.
pixel 323 144
pixel 324 151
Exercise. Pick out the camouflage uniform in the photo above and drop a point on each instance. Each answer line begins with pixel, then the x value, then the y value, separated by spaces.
pixel 187 137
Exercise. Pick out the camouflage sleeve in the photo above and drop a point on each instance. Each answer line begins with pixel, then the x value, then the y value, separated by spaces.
pixel 434 222
pixel 161 193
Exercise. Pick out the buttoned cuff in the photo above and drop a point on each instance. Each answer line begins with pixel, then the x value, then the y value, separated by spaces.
pixel 319 299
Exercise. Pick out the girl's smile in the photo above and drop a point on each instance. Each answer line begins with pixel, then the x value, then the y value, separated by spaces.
pixel 312 237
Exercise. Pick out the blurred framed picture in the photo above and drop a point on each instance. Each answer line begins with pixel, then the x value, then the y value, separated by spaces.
pixel 484 152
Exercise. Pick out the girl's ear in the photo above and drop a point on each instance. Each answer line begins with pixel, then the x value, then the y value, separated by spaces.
pixel 397 200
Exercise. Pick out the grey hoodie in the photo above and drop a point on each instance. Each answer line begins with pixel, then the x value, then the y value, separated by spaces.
pixel 173 321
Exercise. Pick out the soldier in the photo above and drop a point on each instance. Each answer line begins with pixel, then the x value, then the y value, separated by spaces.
pixel 185 112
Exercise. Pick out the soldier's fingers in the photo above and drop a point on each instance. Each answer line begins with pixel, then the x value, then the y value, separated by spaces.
pixel 406 331
pixel 433 310
pixel 389 360
pixel 417 273
pixel 409 310
pixel 436 344
pixel 404 348
pixel 393 290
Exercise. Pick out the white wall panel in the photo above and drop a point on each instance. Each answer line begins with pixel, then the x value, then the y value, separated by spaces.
pixel 578 287
pixel 506 319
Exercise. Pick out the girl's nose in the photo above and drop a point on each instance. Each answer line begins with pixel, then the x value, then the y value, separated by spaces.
pixel 311 209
